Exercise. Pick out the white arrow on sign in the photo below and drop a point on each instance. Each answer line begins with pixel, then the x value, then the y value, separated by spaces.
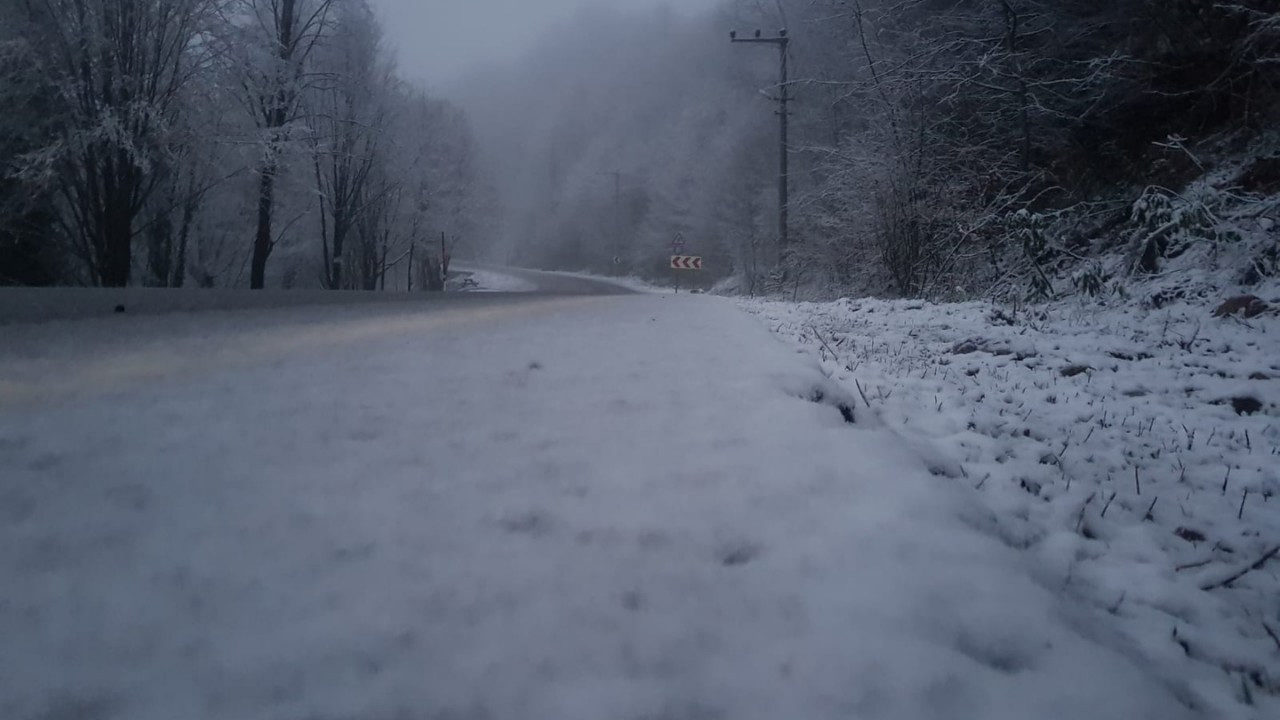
pixel 686 262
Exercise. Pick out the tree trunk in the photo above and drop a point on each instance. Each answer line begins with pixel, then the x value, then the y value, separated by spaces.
pixel 382 268
pixel 117 258
pixel 432 281
pixel 160 251
pixel 262 241
pixel 276 117
pixel 179 277
pixel 339 247
pixel 1012 31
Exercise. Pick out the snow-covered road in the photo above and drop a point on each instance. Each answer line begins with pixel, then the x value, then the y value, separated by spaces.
pixel 564 508
pixel 35 305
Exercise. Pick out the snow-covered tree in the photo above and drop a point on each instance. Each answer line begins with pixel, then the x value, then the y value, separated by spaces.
pixel 112 75
pixel 347 122
pixel 273 44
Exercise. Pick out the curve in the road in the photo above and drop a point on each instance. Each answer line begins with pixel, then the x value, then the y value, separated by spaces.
pixel 38 305
pixel 554 283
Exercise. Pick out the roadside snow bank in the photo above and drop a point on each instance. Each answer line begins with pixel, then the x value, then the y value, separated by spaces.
pixel 1134 454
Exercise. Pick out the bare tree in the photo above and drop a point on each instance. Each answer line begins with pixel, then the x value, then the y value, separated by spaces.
pixel 347 124
pixel 279 38
pixel 429 185
pixel 119 69
pixel 29 252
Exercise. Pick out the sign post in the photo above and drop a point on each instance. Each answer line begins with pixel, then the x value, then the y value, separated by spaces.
pixel 677 248
pixel 684 262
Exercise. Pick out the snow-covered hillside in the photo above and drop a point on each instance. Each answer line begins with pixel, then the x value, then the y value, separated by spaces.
pixel 1133 454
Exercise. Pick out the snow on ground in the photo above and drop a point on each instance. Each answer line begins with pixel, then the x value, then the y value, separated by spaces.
pixel 632 283
pixel 478 278
pixel 621 507
pixel 1135 455
pixel 485 280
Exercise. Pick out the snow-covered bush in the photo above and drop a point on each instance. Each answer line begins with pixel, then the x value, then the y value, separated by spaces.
pixel 1092 279
pixel 1166 225
pixel 1030 232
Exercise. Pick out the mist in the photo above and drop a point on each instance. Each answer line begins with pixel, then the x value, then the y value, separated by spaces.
pixel 936 154
pixel 438 41
pixel 566 360
pixel 622 129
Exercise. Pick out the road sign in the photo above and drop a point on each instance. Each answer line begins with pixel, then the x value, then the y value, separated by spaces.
pixel 686 262
pixel 677 245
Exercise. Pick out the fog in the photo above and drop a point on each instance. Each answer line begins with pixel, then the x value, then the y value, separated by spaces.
pixel 605 130
pixel 603 127
pixel 929 147
pixel 437 41
pixel 292 426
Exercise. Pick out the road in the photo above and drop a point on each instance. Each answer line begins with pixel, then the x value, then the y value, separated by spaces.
pixel 34 305
pixel 549 283
pixel 569 507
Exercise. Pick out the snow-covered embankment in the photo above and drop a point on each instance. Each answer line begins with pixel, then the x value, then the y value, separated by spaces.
pixel 1132 453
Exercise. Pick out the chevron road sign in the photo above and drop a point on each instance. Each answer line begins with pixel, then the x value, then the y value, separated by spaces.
pixel 686 262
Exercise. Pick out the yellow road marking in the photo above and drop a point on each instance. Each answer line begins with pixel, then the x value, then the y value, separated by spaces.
pixel 27 381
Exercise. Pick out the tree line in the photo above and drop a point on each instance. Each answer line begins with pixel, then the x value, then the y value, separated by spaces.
pixel 940 148
pixel 989 146
pixel 222 143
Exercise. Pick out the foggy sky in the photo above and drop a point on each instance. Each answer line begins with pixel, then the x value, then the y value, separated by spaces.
pixel 437 41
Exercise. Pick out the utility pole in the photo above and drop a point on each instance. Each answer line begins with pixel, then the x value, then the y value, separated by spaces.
pixel 617 206
pixel 615 246
pixel 783 42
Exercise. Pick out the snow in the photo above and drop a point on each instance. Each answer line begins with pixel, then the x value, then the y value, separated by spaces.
pixel 486 280
pixel 628 507
pixel 1049 411
pixel 630 282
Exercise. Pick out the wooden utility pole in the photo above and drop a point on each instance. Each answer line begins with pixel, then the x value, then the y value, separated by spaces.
pixel 783 42
pixel 616 245
pixel 617 207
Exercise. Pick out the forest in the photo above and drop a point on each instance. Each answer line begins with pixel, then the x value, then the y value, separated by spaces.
pixel 222 143
pixel 938 148
pixel 943 149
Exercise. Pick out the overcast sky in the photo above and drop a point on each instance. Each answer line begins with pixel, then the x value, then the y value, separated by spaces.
pixel 438 40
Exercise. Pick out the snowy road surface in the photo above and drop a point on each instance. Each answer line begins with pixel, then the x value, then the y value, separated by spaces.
pixel 565 508
pixel 29 305
pixel 507 279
